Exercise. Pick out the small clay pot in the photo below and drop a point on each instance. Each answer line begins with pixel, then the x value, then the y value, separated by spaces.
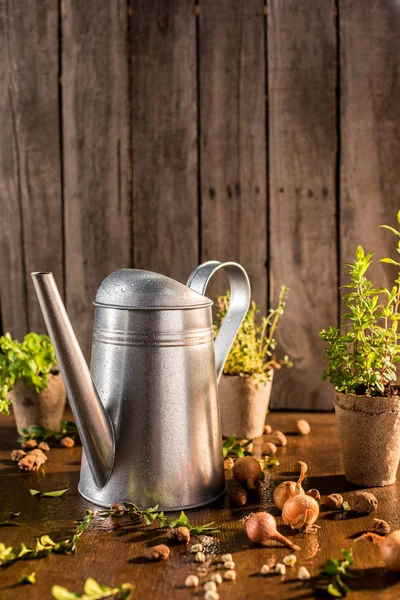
pixel 44 409
pixel 243 404
pixel 369 430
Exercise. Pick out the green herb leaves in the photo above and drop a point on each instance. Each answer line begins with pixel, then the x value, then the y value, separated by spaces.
pixel 30 360
pixel 362 356
pixel 152 515
pixel 252 349
pixel 45 545
pixel 337 569
pixel 55 494
pixel 94 591
pixel 234 448
pixel 40 434
pixel 31 578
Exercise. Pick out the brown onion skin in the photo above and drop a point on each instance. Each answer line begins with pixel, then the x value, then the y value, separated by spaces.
pixel 284 491
pixel 389 548
pixel 261 529
pixel 300 511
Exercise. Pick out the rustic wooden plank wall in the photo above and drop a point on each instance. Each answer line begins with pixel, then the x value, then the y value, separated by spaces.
pixel 161 134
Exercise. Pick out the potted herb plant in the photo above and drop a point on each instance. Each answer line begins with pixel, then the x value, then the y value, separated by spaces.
pixel 31 382
pixel 246 383
pixel 362 357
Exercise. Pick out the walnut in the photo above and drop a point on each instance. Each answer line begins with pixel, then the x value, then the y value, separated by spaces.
pixel 29 444
pixel 380 526
pixel 334 501
pixel 16 455
pixel 179 534
pixel 44 446
pixel 39 454
pixel 29 463
pixel 67 442
pixel 160 552
pixel 363 502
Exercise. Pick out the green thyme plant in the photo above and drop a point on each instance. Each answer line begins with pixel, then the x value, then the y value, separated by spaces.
pixel 362 355
pixel 252 351
pixel 30 361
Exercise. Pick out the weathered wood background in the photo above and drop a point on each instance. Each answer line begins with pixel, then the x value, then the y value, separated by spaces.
pixel 161 134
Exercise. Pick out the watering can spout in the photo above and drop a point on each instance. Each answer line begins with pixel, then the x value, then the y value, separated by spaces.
pixel 93 422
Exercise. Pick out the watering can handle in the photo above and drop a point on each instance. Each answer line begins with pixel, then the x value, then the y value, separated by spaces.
pixel 238 305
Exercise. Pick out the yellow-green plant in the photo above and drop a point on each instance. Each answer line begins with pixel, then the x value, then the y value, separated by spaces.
pixel 252 352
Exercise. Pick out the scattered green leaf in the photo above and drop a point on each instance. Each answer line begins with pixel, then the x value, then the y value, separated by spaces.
pixel 14 514
pixel 34 492
pixel 40 434
pixel 31 578
pixel 9 523
pixel 233 448
pixel 94 591
pixel 55 494
pixel 336 569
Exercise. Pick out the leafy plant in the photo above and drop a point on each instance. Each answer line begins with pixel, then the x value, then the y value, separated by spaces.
pixel 40 434
pixel 234 448
pixel 94 591
pixel 252 351
pixel 30 360
pixel 336 570
pixel 362 357
pixel 45 545
pixel 152 515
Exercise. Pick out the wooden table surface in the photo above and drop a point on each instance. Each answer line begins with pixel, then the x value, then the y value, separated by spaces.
pixel 111 552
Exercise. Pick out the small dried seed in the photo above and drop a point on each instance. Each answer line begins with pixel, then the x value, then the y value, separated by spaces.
pixel 199 557
pixel 196 548
pixel 160 552
pixel 230 575
pixel 210 586
pixel 280 568
pixel 16 455
pixel 217 578
pixel 380 526
pixel 278 438
pixel 29 444
pixel 67 442
pixel 211 595
pixel 303 574
pixel 226 557
pixel 303 427
pixel 191 581
pixel 229 564
pixel 290 560
pixel 264 570
pixel 267 429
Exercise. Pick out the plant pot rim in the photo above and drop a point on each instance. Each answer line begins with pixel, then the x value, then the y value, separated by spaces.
pixel 367 404
pixel 248 375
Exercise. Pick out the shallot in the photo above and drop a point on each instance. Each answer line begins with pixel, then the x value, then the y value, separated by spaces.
pixel 261 529
pixel 300 511
pixel 288 489
pixel 389 548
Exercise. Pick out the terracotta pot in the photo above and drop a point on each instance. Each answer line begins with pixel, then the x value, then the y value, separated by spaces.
pixel 243 405
pixel 45 409
pixel 369 430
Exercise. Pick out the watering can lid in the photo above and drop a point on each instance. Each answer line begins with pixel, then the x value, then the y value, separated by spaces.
pixel 144 290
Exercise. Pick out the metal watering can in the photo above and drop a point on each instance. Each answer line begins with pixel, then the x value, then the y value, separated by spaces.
pixel 147 413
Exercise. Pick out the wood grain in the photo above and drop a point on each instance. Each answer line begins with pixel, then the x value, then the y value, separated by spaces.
pixel 95 138
pixel 233 137
pixel 111 551
pixel 302 147
pixel 165 137
pixel 30 168
pixel 370 131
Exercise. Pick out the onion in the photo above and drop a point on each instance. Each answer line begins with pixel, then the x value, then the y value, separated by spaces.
pixel 300 511
pixel 389 548
pixel 261 528
pixel 288 489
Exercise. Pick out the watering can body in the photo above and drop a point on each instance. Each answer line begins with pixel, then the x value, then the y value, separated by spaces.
pixel 148 412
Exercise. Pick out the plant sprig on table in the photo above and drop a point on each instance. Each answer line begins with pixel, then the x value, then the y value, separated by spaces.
pixel 362 358
pixel 94 591
pixel 252 350
pixel 336 569
pixel 153 515
pixel 40 434
pixel 30 360
pixel 234 448
pixel 45 545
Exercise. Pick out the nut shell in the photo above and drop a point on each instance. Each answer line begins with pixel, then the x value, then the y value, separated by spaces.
pixel 303 427
pixel 363 502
